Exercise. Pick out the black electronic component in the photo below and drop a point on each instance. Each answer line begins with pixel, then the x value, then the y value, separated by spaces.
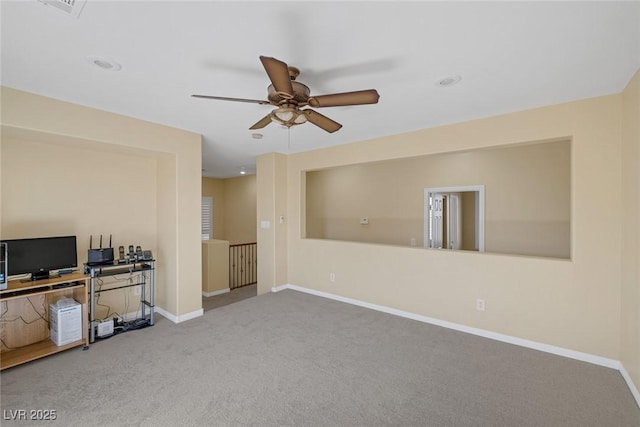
pixel 101 255
pixel 39 256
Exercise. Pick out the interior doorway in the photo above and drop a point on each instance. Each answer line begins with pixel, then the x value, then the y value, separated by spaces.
pixel 454 218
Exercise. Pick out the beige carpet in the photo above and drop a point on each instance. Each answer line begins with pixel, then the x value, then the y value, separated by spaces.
pixel 293 359
pixel 235 295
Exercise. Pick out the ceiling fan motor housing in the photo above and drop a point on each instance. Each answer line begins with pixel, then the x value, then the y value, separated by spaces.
pixel 300 95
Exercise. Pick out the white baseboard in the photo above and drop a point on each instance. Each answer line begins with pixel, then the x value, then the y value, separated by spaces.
pixel 560 351
pixel 214 293
pixel 180 318
pixel 630 384
pixel 281 288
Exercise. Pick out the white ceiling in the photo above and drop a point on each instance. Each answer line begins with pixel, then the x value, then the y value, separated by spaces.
pixel 511 56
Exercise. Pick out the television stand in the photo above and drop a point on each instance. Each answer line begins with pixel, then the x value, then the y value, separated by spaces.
pixel 24 328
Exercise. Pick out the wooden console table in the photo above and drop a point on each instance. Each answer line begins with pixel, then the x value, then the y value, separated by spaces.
pixel 25 317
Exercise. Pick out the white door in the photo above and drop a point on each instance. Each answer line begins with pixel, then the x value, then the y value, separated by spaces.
pixel 437 225
pixel 445 221
pixel 453 221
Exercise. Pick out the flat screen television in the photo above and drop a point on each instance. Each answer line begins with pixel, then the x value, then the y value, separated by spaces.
pixel 38 256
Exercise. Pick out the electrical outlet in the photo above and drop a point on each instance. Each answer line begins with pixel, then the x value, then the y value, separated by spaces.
pixel 137 290
pixel 480 304
pixel 332 277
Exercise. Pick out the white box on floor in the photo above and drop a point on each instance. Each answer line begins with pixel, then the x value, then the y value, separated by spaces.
pixel 65 321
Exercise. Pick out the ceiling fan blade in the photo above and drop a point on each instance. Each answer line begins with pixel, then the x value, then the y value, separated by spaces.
pixel 223 98
pixel 359 97
pixel 321 121
pixel 278 73
pixel 262 122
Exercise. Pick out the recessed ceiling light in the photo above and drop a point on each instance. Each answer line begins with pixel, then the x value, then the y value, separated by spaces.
pixel 104 63
pixel 449 81
pixel 256 135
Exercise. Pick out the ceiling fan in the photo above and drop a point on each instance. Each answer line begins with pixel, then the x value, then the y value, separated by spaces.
pixel 289 96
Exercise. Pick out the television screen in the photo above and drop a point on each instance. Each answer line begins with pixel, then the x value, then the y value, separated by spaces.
pixel 40 255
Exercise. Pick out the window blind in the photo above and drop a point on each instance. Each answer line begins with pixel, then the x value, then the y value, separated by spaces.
pixel 207 218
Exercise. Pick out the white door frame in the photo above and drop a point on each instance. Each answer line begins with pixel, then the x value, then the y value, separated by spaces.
pixel 478 189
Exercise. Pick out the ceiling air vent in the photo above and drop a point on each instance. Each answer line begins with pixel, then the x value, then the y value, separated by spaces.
pixel 70 7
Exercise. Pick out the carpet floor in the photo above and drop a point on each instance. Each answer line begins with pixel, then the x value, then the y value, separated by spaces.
pixel 293 359
pixel 235 295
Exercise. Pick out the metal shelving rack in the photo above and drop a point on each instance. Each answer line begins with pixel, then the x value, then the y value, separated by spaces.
pixel 116 268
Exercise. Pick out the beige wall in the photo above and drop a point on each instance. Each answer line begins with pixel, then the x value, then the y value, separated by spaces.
pixel 271 187
pixel 53 189
pixel 240 209
pixel 105 149
pixel 527 199
pixel 215 266
pixel 572 304
pixel 630 349
pixel 234 208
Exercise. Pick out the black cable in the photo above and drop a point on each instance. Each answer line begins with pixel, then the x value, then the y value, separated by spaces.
pixel 142 297
pixel 5 344
pixel 44 310
pixel 129 279
pixel 19 316
pixel 108 307
pixel 132 281
pixel 6 311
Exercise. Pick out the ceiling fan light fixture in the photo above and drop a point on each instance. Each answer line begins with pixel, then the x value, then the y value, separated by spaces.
pixel 284 115
pixel 288 116
pixel 300 118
